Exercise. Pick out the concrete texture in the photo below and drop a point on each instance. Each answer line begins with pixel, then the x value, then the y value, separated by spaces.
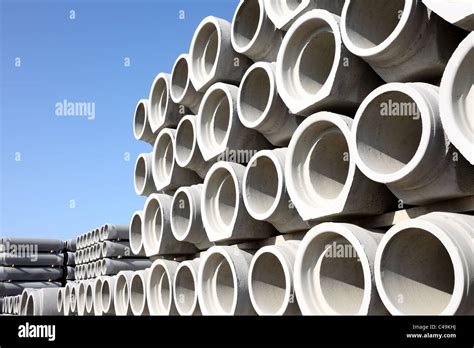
pixel 143 178
pixel 185 285
pixel 159 287
pixel 182 90
pixel 457 12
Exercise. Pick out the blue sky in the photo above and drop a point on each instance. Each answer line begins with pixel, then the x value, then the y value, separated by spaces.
pixel 61 176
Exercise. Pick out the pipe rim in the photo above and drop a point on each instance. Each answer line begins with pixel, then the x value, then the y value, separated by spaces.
pixel 135 232
pixel 107 294
pixel 209 27
pixel 217 101
pixel 140 118
pixel 283 12
pixel 178 96
pixel 163 158
pixel 121 295
pixel 138 305
pixel 448 244
pixel 158 101
pixel 207 298
pixel 424 142
pixel 217 226
pixel 235 24
pixel 142 168
pixel 151 241
pixel 283 263
pixel 298 94
pixel 97 295
pixel 59 300
pixel 408 9
pixel 194 303
pixel 178 233
pixel 269 74
pixel 188 122
pixel 266 214
pixel 159 276
pixel 89 297
pixel 314 302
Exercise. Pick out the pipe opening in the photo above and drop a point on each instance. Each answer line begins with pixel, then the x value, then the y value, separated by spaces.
pixel 121 298
pixel 164 158
pixel 269 284
pixel 185 142
pixel 333 275
pixel 262 185
pixel 159 99
pixel 255 95
pixel 185 291
pixel 316 61
pixel 160 290
pixel 106 297
pixel 59 301
pixel 284 8
pixel 181 214
pixel 389 132
pixel 157 222
pixel 206 47
pixel 463 90
pixel 417 272
pixel 221 198
pixel 98 294
pixel 136 233
pixel 140 174
pixel 370 22
pixel 140 119
pixel 137 293
pixel 215 119
pixel 180 78
pixel 89 297
pixel 30 305
pixel 246 22
pixel 219 285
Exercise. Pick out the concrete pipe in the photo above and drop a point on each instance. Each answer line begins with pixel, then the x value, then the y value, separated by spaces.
pixel 223 282
pixel 398 140
pixel 182 90
pixel 265 195
pixel 16 288
pixel 96 236
pixel 141 125
pixel 143 178
pixel 163 112
pixel 70 273
pixel 111 267
pixel 48 301
pixel 122 293
pixel 425 266
pixel 136 235
pixel 23 301
pixel 321 174
pixel 33 304
pixel 33 259
pixel 115 249
pixel 186 221
pixel 400 39
pixel 73 299
pixel 185 288
pixel 97 297
pixel 457 98
pixel 253 33
pixel 115 232
pixel 81 297
pixel 159 287
pixel 316 72
pixel 271 280
pixel 334 271
pixel 138 296
pixel 7 244
pixel 457 12
pixel 107 295
pixel 87 255
pixel 60 302
pixel 223 211
pixel 89 238
pixel 30 273
pixel 71 245
pixel 79 241
pixel 166 174
pixel 67 298
pixel 187 152
pixel 157 236
pixel 260 107
pixel 102 234
pixel 78 257
pixel 220 134
pixel 71 258
pixel 212 57
pixel 284 13
pixel 89 297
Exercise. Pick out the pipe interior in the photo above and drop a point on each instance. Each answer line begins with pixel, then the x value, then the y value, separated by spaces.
pixel 159 98
pixel 463 90
pixel 215 118
pixel 140 173
pixel 417 272
pixel 206 48
pixel 185 290
pixel 136 232
pixel 262 185
pixel 180 78
pixel 157 223
pixel 285 7
pixel 185 141
pixel 333 276
pixel 181 213
pixel 160 289
pixel 221 198
pixel 106 296
pixel 218 284
pixel 122 294
pixel 389 132
pixel 164 158
pixel 246 22
pixel 30 305
pixel 255 95
pixel 268 282
pixel 89 296
pixel 137 292
pixel 370 22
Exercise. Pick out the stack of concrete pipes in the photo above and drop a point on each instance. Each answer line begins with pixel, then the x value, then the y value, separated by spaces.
pixel 104 251
pixel 31 263
pixel 292 121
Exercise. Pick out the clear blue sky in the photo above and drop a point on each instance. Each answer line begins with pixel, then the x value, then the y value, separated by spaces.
pixel 51 163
